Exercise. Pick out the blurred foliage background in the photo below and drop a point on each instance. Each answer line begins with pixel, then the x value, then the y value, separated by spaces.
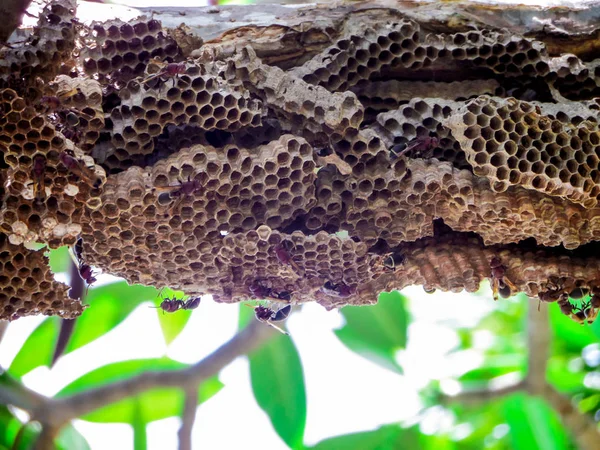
pixel 457 412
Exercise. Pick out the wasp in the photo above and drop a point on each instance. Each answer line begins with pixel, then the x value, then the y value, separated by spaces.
pixel 268 315
pixel 590 312
pixel 284 256
pixel 418 145
pixel 87 274
pixel 259 290
pixel 500 282
pixel 181 190
pixel 37 175
pixel 170 305
pixel 191 303
pixel 85 270
pixel 341 290
pixel 393 261
pixel 587 312
pixel 171 70
pixel 77 167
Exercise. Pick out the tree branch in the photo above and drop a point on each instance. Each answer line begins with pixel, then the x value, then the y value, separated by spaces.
pixel 538 345
pixel 483 395
pixel 59 411
pixel 12 14
pixel 188 419
pixel 45 440
pixel 582 427
pixel 18 395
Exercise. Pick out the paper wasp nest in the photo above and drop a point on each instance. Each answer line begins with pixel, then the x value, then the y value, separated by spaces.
pixel 339 153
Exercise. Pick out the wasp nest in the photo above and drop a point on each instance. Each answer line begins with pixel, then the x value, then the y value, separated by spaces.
pixel 27 285
pixel 513 142
pixel 50 181
pixel 117 51
pixel 327 159
pixel 40 56
pixel 198 101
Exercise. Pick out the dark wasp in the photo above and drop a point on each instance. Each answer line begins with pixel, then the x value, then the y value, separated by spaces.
pixel 268 315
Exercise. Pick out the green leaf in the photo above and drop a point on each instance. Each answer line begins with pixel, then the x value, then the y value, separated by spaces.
pixel 377 332
pixel 172 324
pixel 37 349
pixel 109 306
pixel 140 438
pixel 60 259
pixel 29 435
pixel 71 439
pixel 533 424
pixel 278 384
pixel 9 426
pixel 563 379
pixel 151 405
pixel 496 367
pixel 388 437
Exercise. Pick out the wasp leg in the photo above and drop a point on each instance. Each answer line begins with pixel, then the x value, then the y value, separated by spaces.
pixel 495 287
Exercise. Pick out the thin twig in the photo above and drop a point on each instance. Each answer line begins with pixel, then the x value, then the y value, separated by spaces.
pixel 188 419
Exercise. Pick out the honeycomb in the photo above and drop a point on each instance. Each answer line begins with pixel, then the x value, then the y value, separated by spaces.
pixel 458 261
pixel 390 94
pixel 117 51
pixel 310 108
pixel 40 56
pixel 83 98
pixel 27 286
pixel 190 99
pixel 419 119
pixel 192 198
pixel 45 201
pixel 362 150
pixel 513 142
pixel 366 47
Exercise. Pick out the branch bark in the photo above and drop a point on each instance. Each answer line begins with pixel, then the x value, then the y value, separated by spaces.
pixel 582 427
pixel 483 395
pixel 12 14
pixel 538 345
pixel 188 419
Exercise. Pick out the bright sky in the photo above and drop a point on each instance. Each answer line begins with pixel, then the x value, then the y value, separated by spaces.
pixel 345 392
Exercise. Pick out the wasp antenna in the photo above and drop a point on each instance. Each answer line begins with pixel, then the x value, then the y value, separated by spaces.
pixel 281 330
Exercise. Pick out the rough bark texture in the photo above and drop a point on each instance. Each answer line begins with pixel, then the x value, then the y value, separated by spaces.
pixel 307 153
